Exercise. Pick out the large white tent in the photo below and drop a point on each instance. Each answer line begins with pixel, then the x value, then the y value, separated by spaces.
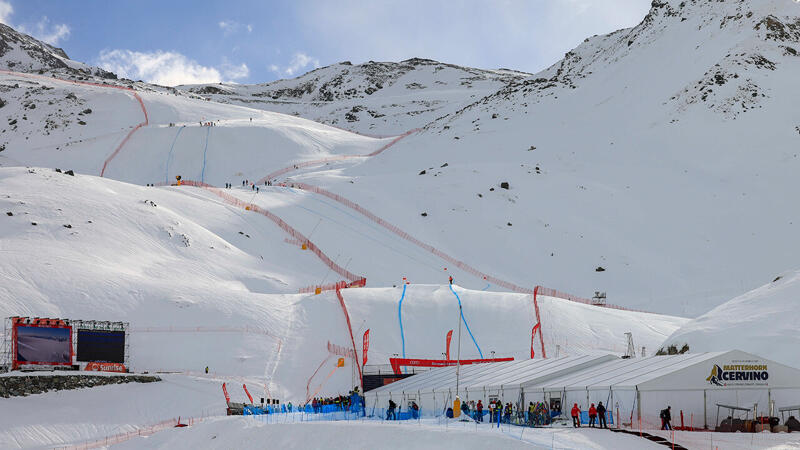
pixel 633 389
pixel 435 389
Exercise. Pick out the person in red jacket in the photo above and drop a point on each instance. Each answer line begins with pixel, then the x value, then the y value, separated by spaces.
pixel 479 408
pixel 576 416
pixel 592 415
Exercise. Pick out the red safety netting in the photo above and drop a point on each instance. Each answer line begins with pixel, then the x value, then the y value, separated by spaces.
pixel 352 339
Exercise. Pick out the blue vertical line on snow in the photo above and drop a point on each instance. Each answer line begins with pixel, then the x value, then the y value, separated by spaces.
pixel 400 318
pixel 487 287
pixel 203 172
pixel 169 156
pixel 461 309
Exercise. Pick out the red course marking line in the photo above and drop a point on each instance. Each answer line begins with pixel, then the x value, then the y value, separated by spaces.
pixel 88 83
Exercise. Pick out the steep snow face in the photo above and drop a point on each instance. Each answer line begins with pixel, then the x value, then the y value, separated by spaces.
pixel 23 53
pixel 635 158
pixel 762 321
pixel 382 98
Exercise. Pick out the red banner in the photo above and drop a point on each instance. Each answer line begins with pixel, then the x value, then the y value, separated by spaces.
pixel 365 346
pixel 248 393
pixel 105 367
pixel 449 338
pixel 533 337
pixel 398 362
pixel 225 391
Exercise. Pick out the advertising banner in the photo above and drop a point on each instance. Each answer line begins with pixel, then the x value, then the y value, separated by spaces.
pixel 365 346
pixel 95 366
pixel 447 342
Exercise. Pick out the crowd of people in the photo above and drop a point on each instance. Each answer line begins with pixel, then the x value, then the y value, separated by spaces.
pixel 353 401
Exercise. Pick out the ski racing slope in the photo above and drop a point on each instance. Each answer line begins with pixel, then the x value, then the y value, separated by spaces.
pixel 186 270
pixel 413 322
pixel 763 320
pixel 95 129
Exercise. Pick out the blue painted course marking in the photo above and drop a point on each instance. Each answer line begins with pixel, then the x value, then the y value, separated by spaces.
pixel 400 318
pixel 169 156
pixel 465 321
pixel 487 287
pixel 203 172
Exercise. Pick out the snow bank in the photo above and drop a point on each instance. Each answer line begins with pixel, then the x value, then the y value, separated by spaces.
pixel 762 321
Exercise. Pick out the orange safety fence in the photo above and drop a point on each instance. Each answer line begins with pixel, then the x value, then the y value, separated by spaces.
pixel 232 200
pixel 142 431
pixel 102 85
pixel 319 288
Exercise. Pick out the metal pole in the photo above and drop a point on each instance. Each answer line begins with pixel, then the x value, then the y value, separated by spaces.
pixel 458 356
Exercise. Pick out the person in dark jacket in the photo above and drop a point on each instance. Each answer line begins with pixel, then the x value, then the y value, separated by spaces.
pixel 601 414
pixel 390 415
pixel 666 417
pixel 576 416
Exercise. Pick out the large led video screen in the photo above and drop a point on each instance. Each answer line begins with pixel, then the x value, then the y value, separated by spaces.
pixel 101 346
pixel 44 345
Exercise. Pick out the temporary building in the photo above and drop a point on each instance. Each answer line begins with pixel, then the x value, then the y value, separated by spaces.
pixel 434 390
pixel 639 388
pixel 634 389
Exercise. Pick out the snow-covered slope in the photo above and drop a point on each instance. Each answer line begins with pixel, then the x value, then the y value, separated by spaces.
pixel 763 320
pixel 205 284
pixel 377 98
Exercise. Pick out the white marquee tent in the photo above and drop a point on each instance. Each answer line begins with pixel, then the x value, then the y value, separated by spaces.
pixel 633 388
pixel 436 388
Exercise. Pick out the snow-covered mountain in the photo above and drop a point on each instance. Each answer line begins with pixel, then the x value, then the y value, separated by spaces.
pixel 23 53
pixel 378 98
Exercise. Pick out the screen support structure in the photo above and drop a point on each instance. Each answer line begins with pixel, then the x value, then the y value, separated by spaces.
pixel 5 351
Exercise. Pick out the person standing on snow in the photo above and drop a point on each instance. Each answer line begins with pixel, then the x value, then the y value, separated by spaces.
pixel 592 415
pixel 390 412
pixel 601 413
pixel 666 417
pixel 451 279
pixel 479 409
pixel 576 414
